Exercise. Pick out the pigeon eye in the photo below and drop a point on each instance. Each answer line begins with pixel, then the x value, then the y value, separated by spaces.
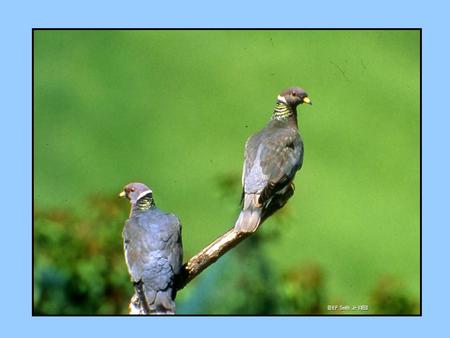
pixel 294 94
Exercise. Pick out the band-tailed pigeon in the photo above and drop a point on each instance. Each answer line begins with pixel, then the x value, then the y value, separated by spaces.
pixel 272 158
pixel 153 250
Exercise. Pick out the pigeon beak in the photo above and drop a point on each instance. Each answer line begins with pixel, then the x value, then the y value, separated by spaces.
pixel 307 100
pixel 122 194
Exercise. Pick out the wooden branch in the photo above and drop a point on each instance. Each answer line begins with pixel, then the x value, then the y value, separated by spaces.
pixel 209 255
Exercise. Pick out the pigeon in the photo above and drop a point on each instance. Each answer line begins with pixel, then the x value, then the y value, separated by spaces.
pixel 272 158
pixel 153 250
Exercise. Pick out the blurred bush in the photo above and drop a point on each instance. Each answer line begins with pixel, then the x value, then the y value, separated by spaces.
pixel 78 263
pixel 303 290
pixel 390 297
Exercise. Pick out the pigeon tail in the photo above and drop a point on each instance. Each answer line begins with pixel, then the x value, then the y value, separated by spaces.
pixel 163 303
pixel 250 217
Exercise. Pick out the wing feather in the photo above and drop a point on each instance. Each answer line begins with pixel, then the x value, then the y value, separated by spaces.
pixel 272 157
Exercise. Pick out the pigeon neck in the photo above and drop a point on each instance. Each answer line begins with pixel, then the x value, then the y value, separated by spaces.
pixel 282 112
pixel 144 203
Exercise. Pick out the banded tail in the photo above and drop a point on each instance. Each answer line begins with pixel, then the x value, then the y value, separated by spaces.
pixel 250 217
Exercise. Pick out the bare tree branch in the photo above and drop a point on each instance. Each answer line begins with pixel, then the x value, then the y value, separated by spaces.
pixel 209 255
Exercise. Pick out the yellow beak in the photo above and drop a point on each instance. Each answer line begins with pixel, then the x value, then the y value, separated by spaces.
pixel 307 100
pixel 122 194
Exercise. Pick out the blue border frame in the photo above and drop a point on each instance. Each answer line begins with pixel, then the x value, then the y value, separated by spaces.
pixel 17 20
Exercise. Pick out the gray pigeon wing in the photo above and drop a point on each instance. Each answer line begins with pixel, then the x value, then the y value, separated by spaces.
pixel 137 248
pixel 253 179
pixel 280 156
pixel 165 250
pixel 174 244
pixel 157 275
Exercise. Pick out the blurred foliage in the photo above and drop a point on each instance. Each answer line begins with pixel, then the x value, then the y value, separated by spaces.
pixel 173 109
pixel 304 290
pixel 391 297
pixel 79 266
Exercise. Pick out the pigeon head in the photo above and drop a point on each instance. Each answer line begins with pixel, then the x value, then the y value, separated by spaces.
pixel 294 96
pixel 135 192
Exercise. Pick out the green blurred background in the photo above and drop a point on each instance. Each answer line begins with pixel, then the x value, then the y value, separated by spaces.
pixel 173 109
